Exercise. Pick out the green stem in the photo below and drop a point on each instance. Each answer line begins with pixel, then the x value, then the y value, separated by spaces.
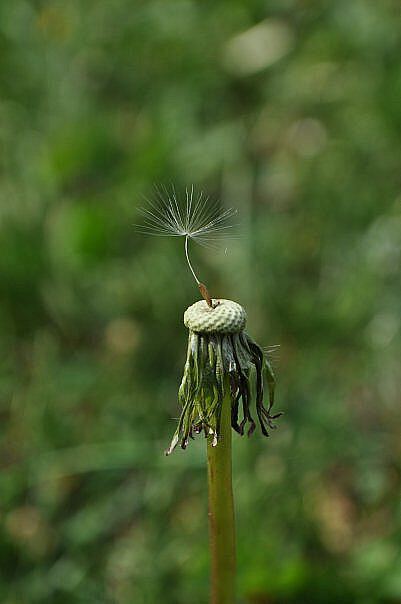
pixel 221 510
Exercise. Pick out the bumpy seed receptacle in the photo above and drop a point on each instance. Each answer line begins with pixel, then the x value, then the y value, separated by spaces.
pixel 224 317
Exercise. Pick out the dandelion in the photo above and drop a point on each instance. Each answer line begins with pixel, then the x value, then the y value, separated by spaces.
pixel 218 347
pixel 224 374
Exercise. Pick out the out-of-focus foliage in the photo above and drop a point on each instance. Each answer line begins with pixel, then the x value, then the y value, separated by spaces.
pixel 290 111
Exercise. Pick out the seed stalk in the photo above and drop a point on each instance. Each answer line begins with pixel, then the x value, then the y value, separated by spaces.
pixel 221 509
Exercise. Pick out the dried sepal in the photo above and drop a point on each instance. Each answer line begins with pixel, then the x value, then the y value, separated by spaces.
pixel 210 357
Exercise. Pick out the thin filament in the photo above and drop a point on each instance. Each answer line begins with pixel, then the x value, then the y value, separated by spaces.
pixel 189 262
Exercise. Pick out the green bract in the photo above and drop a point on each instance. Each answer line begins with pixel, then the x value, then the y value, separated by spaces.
pixel 218 346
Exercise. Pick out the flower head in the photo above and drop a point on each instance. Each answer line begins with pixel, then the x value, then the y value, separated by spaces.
pixel 218 346
pixel 221 356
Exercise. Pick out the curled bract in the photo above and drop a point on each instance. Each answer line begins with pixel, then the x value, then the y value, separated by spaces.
pixel 219 347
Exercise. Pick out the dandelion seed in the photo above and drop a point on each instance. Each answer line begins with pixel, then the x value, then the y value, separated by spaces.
pixel 195 218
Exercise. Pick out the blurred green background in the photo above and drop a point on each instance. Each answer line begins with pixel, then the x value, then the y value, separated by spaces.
pixel 290 111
